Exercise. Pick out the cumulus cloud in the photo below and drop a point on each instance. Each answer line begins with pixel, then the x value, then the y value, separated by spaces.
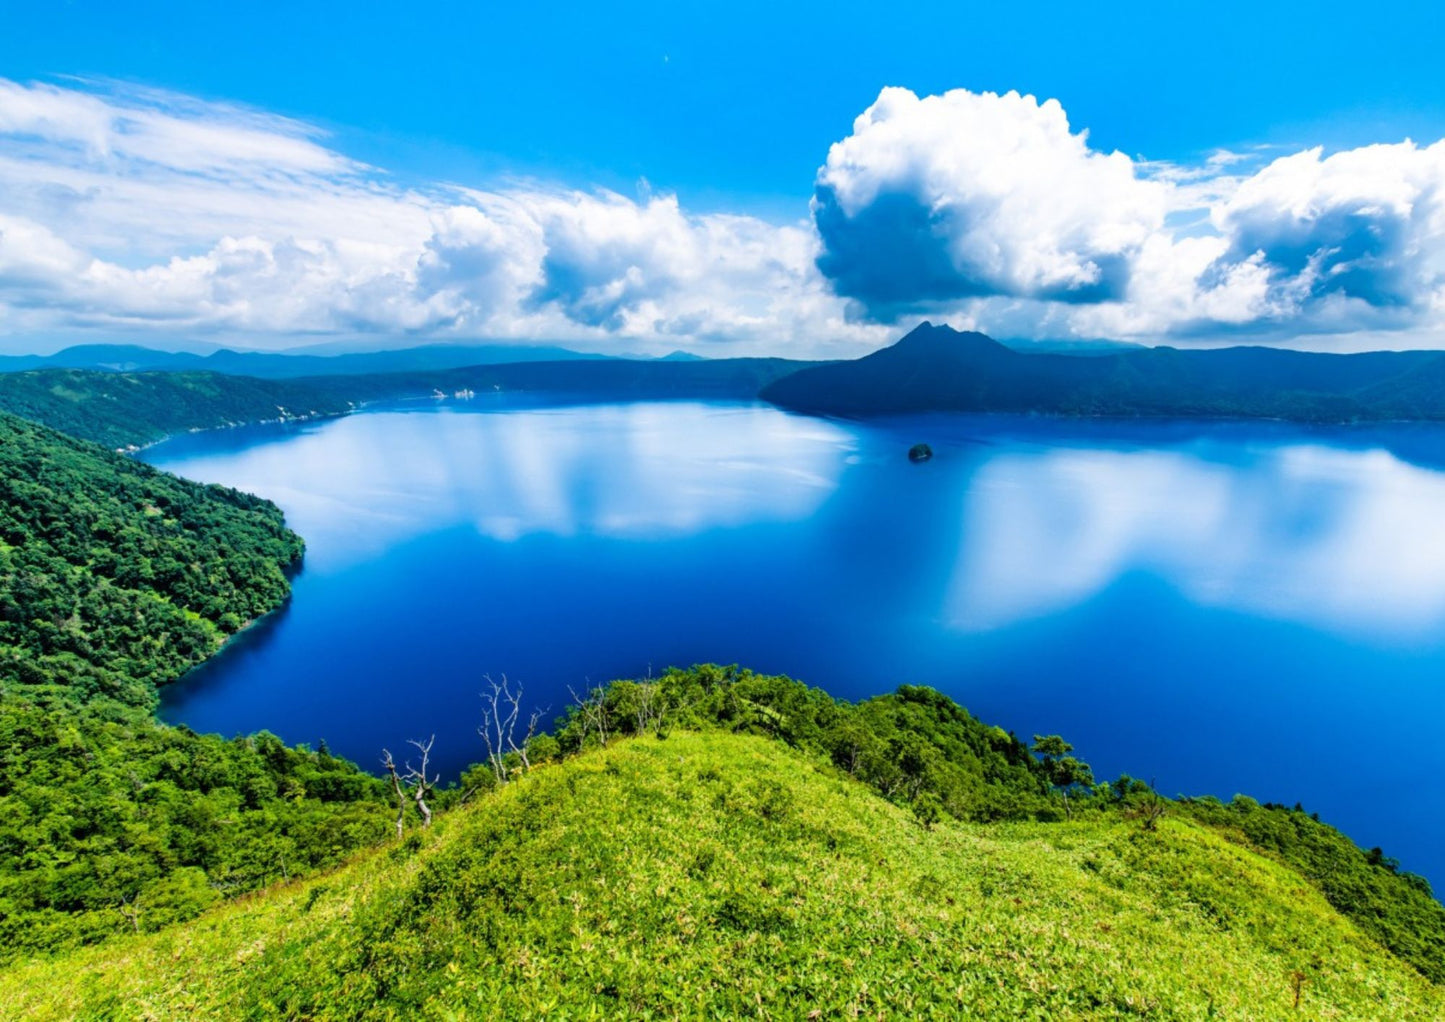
pixel 969 195
pixel 1363 226
pixel 991 210
pixel 124 210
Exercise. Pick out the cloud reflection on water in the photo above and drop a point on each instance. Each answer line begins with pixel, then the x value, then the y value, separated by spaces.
pixel 630 471
pixel 1347 540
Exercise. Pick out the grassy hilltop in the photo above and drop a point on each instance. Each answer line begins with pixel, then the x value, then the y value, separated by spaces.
pixel 717 875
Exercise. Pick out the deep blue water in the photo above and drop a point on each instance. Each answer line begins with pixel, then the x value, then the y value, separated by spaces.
pixel 1252 608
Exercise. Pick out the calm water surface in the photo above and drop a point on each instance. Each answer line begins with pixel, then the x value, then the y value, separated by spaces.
pixel 1255 608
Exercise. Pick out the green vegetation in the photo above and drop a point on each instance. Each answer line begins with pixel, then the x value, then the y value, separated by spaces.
pixel 933 368
pixel 1397 909
pixel 715 875
pixel 920 749
pixel 120 410
pixel 115 579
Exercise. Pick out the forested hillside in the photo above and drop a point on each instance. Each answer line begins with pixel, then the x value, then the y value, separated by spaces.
pixel 936 368
pixel 114 580
pixel 120 410
pixel 933 368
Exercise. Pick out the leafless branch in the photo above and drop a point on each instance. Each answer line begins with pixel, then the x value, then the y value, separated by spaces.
pixel 500 708
pixel 131 910
pixel 533 723
pixel 594 713
pixel 421 784
pixel 390 765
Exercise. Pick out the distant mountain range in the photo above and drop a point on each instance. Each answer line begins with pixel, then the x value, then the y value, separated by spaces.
pixel 289 365
pixel 932 369
pixel 937 368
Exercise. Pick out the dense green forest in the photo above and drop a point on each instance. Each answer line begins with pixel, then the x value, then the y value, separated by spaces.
pixel 115 579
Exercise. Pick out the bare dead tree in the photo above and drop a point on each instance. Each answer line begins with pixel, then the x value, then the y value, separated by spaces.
pixel 421 785
pixel 411 784
pixel 1153 807
pixel 533 723
pixel 649 708
pixel 131 910
pixel 594 713
pixel 390 765
pixel 500 708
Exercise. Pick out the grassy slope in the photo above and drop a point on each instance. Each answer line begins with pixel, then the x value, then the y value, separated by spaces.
pixel 722 876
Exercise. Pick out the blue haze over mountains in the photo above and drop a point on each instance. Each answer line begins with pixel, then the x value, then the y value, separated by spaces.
pixel 283 365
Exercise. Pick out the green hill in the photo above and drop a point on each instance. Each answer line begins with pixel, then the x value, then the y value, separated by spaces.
pixel 729 876
pixel 933 368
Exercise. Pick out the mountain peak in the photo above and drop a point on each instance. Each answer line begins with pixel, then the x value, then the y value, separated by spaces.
pixel 928 338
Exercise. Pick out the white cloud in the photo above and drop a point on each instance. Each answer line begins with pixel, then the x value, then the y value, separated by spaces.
pixel 1364 226
pixel 966 194
pixel 126 210
pixel 990 211
pixel 146 211
pixel 164 129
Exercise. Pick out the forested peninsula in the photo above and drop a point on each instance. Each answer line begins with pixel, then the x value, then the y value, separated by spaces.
pixel 114 580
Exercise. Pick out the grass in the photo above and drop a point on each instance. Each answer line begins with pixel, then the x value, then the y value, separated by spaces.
pixel 723 876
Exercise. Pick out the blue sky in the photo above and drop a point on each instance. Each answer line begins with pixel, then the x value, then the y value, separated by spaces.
pixel 736 103
pixel 730 109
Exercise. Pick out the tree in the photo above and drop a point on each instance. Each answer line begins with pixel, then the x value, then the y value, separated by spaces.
pixel 500 709
pixel 421 786
pixel 591 713
pixel 413 785
pixel 1061 769
pixel 390 765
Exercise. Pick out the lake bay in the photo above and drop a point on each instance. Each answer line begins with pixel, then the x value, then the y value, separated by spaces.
pixel 1223 607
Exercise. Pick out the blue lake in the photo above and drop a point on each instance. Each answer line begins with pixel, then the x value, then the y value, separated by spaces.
pixel 1226 608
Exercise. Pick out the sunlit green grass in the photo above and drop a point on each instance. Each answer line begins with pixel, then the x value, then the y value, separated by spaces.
pixel 722 876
